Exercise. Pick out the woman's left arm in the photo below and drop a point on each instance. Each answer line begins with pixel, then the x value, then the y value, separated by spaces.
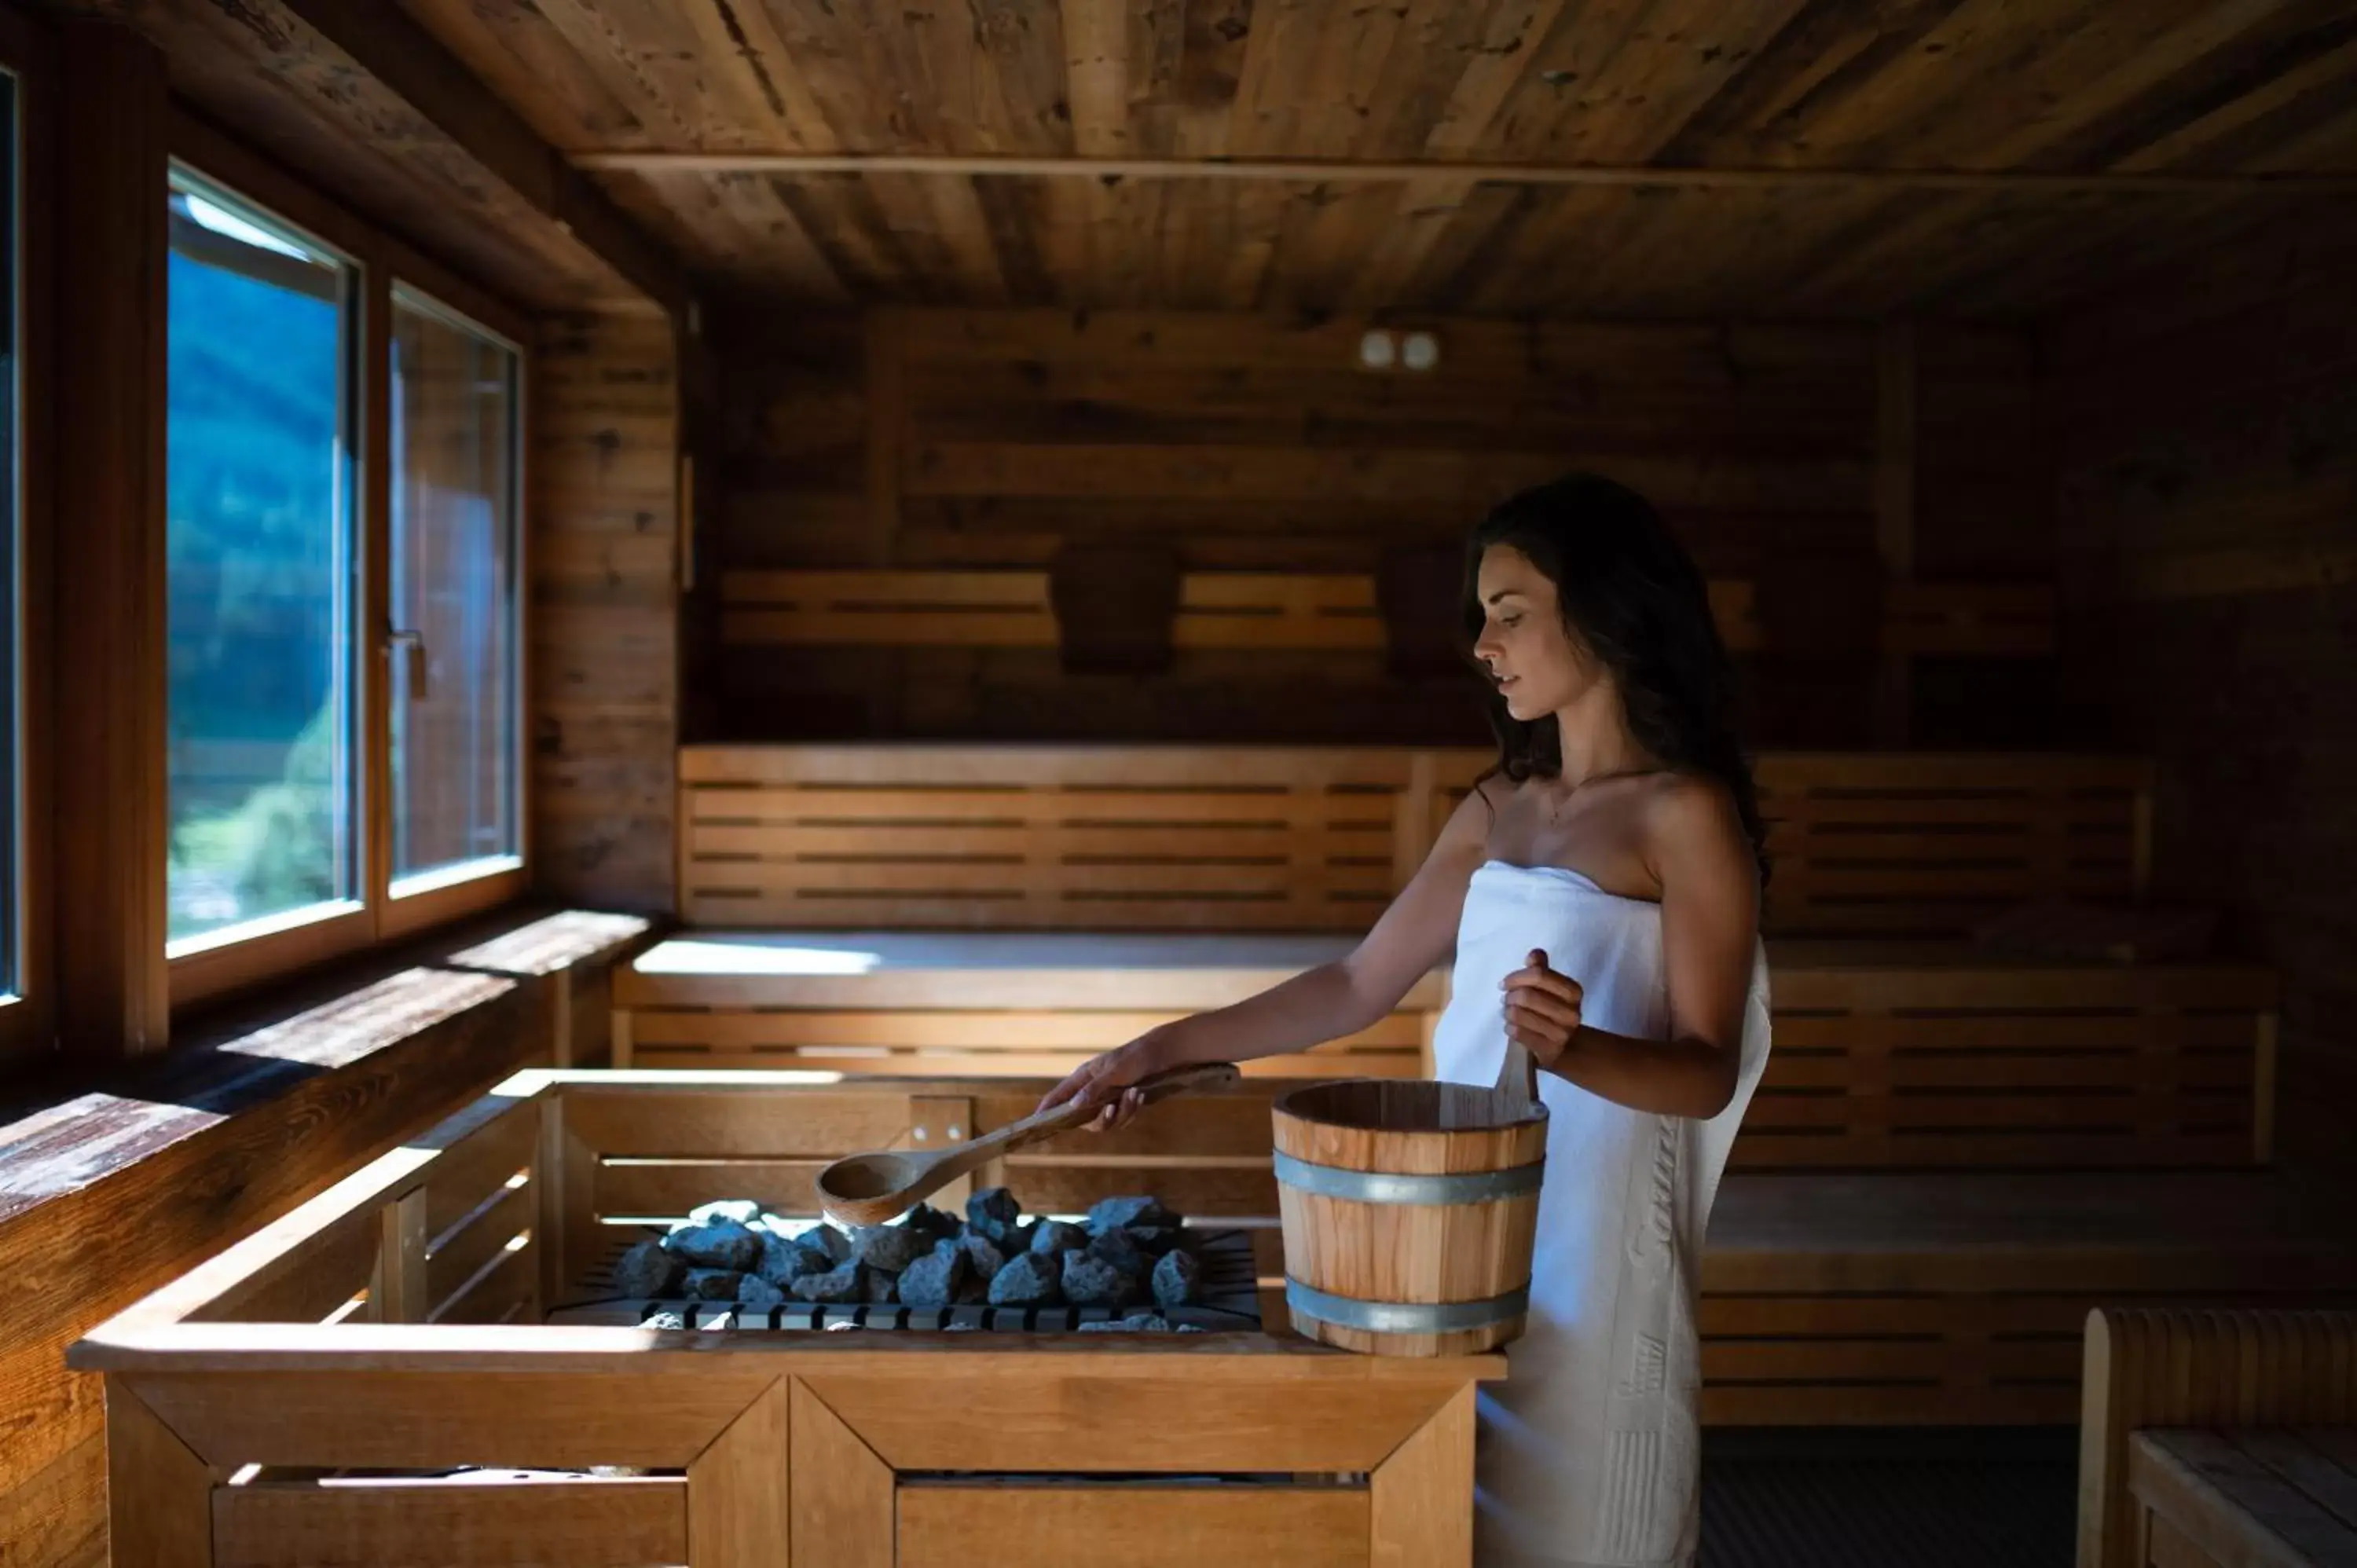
pixel 1710 923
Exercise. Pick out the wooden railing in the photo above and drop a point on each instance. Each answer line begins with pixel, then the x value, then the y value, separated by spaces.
pixel 1243 839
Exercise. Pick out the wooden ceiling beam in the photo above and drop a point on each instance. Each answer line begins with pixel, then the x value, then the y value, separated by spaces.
pixel 1343 170
pixel 387 43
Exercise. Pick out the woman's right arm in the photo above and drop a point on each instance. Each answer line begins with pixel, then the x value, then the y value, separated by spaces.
pixel 1417 932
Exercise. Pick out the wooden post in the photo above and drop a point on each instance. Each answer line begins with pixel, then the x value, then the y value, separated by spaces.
pixel 397 1287
pixel 736 1509
pixel 1894 510
pixel 110 697
pixel 159 1495
pixel 1419 1518
pixel 841 1492
pixel 886 393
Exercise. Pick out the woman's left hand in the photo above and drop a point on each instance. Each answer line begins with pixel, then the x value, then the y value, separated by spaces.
pixel 1542 1009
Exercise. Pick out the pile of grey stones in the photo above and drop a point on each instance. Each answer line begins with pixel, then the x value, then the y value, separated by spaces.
pixel 1130 1253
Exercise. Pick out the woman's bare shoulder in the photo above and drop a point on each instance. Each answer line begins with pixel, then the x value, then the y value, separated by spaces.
pixel 1691 820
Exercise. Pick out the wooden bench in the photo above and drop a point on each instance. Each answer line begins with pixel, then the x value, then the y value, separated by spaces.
pixel 1907 1056
pixel 2254 1497
pixel 2191 1450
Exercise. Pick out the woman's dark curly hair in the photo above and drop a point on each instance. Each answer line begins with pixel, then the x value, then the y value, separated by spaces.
pixel 1635 600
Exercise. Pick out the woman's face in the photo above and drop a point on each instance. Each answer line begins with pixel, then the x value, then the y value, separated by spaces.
pixel 1538 668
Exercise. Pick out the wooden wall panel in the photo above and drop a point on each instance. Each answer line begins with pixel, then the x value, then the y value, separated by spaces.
pixel 940 439
pixel 602 553
pixel 2208 514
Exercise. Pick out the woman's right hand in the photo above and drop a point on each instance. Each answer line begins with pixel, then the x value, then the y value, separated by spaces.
pixel 1108 1078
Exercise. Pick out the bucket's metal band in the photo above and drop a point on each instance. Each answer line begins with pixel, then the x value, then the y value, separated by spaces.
pixel 1403 1316
pixel 1382 1186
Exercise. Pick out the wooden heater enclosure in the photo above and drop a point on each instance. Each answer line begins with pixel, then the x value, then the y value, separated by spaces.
pixel 312 1395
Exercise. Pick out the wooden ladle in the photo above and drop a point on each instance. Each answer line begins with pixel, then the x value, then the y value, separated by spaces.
pixel 871 1189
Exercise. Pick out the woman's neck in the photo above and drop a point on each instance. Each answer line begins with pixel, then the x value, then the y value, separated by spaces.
pixel 1594 742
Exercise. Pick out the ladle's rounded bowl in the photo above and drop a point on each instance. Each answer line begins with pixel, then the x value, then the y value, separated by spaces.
pixel 863 1188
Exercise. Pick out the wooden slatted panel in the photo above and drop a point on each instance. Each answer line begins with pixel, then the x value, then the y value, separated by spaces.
pixel 479 1523
pixel 1981 620
pixel 1835 1300
pixel 938 609
pixel 1892 845
pixel 1145 838
pixel 1987 1065
pixel 479 1207
pixel 1038 838
pixel 1895 844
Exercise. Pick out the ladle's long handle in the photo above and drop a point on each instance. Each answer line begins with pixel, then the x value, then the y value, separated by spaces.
pixel 1074 1114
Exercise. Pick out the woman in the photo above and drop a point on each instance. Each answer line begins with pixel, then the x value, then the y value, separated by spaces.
pixel 1600 891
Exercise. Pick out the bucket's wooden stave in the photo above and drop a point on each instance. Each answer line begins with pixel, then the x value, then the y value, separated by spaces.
pixel 1409 1210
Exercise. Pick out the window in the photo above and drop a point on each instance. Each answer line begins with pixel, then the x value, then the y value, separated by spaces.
pixel 455 696
pixel 11 744
pixel 262 574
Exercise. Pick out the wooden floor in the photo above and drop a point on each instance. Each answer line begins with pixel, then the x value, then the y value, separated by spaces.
pixel 1887 1498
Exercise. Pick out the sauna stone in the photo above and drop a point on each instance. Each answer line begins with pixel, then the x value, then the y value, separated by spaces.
pixel 936 1279
pixel 841 1284
pixel 831 1244
pixel 1178 1278
pixel 888 1247
pixel 985 1255
pixel 932 1224
pixel 1091 1282
pixel 1155 1240
pixel 1030 1279
pixel 883 1287
pixel 722 1244
pixel 1056 1235
pixel 759 1294
pixel 1123 1213
pixel 994 1214
pixel 734 1210
pixel 714 1284
pixel 782 1263
pixel 648 1269
pixel 1138 1322
pixel 1120 1249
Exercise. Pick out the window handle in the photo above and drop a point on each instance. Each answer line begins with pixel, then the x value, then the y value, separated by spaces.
pixel 413 646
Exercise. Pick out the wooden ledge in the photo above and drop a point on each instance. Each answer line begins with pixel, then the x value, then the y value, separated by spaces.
pixel 258 1051
pixel 470 1350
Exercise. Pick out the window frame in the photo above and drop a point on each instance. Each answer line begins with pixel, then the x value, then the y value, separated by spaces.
pixel 27 1015
pixel 382 261
pixel 500 877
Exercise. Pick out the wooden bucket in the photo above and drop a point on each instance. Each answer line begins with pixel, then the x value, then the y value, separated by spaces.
pixel 1408 1211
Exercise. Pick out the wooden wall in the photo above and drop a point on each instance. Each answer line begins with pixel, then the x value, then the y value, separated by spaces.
pixel 953 439
pixel 603 543
pixel 2208 519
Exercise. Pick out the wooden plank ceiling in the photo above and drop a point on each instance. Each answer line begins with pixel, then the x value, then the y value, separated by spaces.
pixel 1845 104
